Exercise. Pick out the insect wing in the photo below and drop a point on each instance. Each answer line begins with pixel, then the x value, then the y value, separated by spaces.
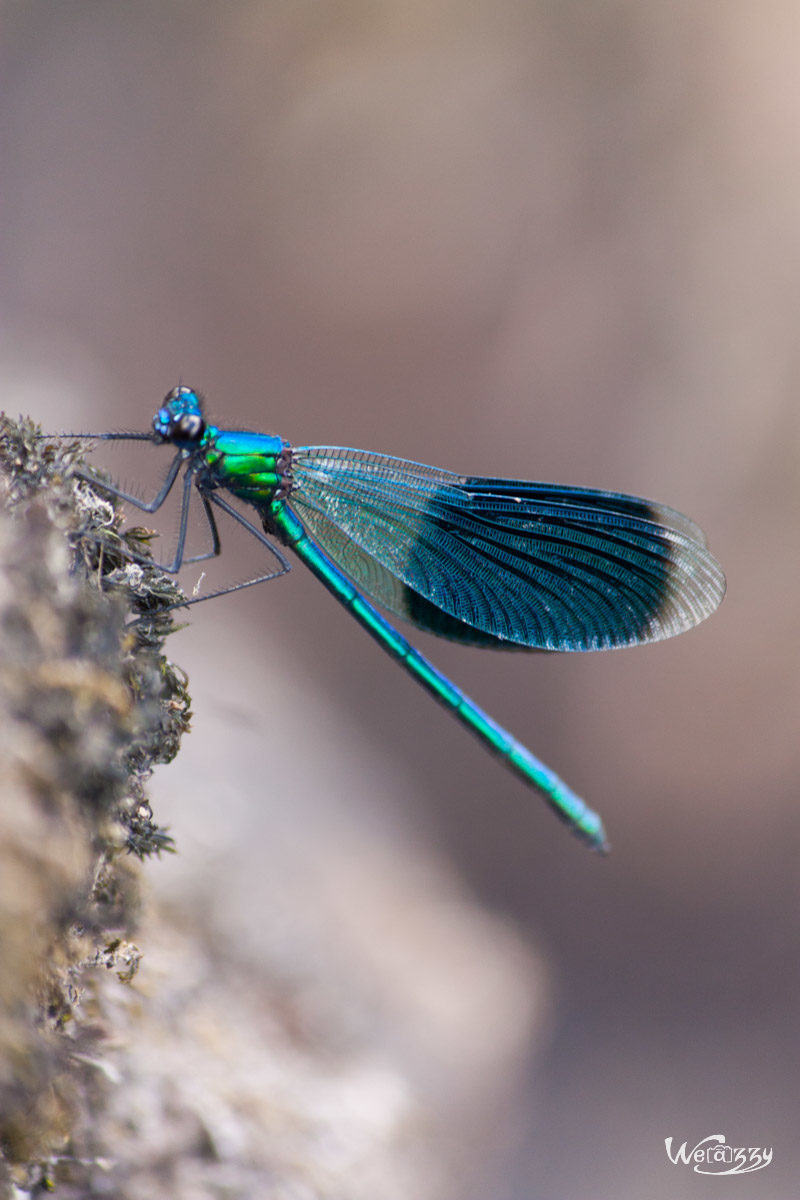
pixel 506 562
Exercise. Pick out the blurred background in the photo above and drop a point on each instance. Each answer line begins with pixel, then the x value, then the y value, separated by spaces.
pixel 544 240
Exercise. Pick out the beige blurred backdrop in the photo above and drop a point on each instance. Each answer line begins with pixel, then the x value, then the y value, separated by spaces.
pixel 547 240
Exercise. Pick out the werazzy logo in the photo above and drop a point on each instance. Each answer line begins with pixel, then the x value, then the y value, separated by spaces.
pixel 713 1156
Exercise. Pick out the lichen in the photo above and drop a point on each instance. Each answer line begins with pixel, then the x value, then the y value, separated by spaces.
pixel 89 705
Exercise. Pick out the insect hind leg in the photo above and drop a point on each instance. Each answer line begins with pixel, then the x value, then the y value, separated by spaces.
pixel 282 563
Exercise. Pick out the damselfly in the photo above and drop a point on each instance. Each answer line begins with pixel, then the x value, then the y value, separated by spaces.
pixel 484 562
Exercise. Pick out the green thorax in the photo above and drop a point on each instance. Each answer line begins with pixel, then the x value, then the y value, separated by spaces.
pixel 256 467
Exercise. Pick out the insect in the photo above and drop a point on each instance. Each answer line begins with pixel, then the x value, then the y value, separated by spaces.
pixel 485 562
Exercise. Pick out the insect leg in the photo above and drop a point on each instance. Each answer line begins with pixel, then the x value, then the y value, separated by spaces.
pixel 150 506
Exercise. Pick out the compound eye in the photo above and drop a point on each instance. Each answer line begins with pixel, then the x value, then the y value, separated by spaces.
pixel 189 427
